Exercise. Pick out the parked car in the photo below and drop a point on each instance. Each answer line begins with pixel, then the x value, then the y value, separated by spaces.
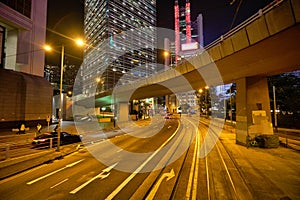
pixel 65 138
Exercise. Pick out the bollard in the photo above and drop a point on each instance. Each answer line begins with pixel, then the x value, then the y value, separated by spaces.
pixel 50 143
pixel 7 152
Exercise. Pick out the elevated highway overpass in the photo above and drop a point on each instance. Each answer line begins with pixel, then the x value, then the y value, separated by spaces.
pixel 266 44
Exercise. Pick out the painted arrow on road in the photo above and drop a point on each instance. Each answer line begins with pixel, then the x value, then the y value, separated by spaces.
pixel 168 175
pixel 54 172
pixel 104 174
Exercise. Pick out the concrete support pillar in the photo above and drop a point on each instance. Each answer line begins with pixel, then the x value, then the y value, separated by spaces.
pixel 122 112
pixel 253 115
pixel 168 103
pixel 172 103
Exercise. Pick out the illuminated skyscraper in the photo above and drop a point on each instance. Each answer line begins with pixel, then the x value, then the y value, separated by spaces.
pixel 121 38
pixel 188 34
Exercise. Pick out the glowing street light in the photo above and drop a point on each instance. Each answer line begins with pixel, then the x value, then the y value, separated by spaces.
pixel 167 55
pixel 80 42
pixel 69 93
pixel 200 101
pixel 47 47
pixel 98 80
pixel 103 110
pixel 200 91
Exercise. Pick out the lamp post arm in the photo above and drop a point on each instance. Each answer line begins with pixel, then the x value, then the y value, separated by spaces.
pixel 61 70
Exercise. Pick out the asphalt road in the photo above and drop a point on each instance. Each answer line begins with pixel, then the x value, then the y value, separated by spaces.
pixel 172 159
pixel 81 176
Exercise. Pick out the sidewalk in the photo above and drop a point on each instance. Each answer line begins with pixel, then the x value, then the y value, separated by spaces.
pixel 11 138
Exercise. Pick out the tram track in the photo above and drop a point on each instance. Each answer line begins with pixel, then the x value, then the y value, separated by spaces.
pixel 224 180
pixel 244 176
pixel 154 178
pixel 209 177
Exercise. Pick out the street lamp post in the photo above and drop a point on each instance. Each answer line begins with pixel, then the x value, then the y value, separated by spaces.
pixel 230 101
pixel 206 100
pixel 60 114
pixel 200 101
pixel 60 95
pixel 275 108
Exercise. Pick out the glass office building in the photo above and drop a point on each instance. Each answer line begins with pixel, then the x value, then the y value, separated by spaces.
pixel 121 38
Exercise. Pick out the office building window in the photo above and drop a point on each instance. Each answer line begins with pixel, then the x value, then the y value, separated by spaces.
pixel 22 6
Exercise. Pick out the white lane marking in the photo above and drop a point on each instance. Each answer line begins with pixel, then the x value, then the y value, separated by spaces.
pixel 70 155
pixel 54 172
pixel 104 174
pixel 129 178
pixel 120 150
pixel 21 174
pixel 59 183
pixel 193 178
pixel 207 178
pixel 195 181
pixel 167 175
pixel 192 170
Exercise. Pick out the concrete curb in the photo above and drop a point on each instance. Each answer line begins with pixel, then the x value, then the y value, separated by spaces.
pixel 16 165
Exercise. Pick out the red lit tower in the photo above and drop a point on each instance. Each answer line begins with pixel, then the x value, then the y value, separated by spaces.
pixel 177 31
pixel 183 26
pixel 188 21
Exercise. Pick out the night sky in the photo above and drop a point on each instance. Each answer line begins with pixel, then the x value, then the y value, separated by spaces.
pixel 66 17
pixel 217 14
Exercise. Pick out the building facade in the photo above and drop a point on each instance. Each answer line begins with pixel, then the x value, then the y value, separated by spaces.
pixel 121 38
pixel 26 97
pixel 22 35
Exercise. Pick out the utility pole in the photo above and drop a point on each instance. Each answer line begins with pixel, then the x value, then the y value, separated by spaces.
pixel 275 115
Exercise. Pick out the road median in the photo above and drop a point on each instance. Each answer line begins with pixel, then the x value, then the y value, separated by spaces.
pixel 16 165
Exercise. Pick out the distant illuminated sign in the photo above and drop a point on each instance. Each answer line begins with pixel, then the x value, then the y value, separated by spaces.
pixel 189 46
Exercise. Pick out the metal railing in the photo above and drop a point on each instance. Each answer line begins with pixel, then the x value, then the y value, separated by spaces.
pixel 248 21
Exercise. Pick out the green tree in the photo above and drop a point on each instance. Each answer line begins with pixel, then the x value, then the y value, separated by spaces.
pixel 231 103
pixel 287 90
